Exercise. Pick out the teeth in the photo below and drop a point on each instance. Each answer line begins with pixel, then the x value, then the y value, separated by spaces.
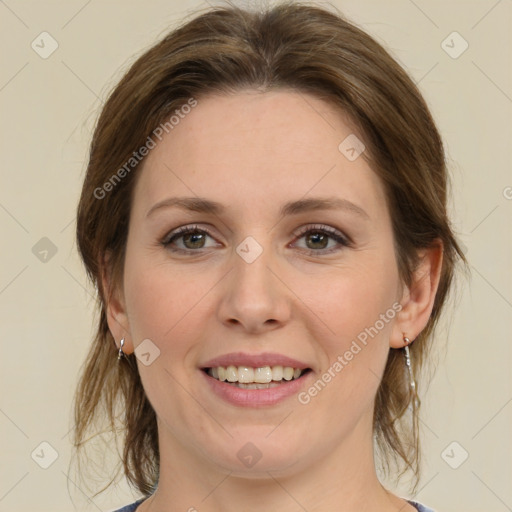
pixel 277 372
pixel 232 374
pixel 254 385
pixel 245 374
pixel 263 375
pixel 287 373
pixel 251 378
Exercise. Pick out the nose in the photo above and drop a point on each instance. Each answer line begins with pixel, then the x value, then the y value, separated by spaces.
pixel 254 299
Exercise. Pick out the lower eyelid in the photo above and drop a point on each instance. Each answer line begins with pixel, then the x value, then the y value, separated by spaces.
pixel 339 245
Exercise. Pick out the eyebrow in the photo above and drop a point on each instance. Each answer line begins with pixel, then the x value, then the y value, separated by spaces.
pixel 203 205
pixel 193 204
pixel 320 203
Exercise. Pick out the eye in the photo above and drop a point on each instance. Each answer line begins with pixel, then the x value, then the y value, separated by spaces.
pixel 321 239
pixel 187 239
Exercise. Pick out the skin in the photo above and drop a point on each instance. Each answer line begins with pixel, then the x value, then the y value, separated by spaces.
pixel 252 152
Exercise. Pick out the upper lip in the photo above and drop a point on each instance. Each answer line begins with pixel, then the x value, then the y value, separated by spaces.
pixel 254 360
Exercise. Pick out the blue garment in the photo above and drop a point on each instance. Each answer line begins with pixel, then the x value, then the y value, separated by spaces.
pixel 133 507
pixel 415 504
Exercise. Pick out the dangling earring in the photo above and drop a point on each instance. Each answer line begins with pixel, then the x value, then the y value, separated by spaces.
pixel 120 354
pixel 412 381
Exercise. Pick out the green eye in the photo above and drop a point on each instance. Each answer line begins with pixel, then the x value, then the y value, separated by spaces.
pixel 317 240
pixel 321 239
pixel 194 240
pixel 187 239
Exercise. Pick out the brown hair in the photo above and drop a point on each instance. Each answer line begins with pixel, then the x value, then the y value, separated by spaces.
pixel 224 50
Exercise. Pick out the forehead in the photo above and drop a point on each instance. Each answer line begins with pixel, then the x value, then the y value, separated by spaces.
pixel 254 149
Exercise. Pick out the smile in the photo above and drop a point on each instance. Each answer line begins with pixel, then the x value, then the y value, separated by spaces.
pixel 240 385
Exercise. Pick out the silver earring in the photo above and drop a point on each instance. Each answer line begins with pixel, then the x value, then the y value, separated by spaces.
pixel 120 353
pixel 412 381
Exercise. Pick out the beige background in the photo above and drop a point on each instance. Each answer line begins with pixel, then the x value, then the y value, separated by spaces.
pixel 48 107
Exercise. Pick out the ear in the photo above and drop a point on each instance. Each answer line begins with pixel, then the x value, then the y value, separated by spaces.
pixel 418 299
pixel 115 307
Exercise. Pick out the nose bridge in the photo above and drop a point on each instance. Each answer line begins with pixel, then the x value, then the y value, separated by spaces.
pixel 254 298
pixel 252 270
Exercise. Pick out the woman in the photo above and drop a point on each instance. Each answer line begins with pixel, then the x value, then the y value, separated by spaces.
pixel 264 217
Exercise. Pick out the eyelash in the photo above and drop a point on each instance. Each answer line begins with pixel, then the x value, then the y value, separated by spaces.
pixel 333 233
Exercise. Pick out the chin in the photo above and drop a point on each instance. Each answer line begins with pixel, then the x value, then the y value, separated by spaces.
pixel 254 455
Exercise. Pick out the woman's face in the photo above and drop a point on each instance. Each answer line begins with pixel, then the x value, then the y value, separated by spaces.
pixel 287 260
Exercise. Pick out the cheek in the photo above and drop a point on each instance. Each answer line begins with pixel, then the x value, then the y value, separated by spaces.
pixel 151 305
pixel 163 303
pixel 356 308
pixel 165 306
pixel 352 298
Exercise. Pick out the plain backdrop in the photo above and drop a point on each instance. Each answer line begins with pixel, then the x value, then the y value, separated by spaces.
pixel 48 107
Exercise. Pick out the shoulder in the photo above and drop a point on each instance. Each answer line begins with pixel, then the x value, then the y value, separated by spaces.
pixel 130 508
pixel 420 507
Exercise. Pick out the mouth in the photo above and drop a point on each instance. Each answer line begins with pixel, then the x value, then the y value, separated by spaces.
pixel 263 377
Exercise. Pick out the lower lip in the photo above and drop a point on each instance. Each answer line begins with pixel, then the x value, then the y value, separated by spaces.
pixel 255 397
